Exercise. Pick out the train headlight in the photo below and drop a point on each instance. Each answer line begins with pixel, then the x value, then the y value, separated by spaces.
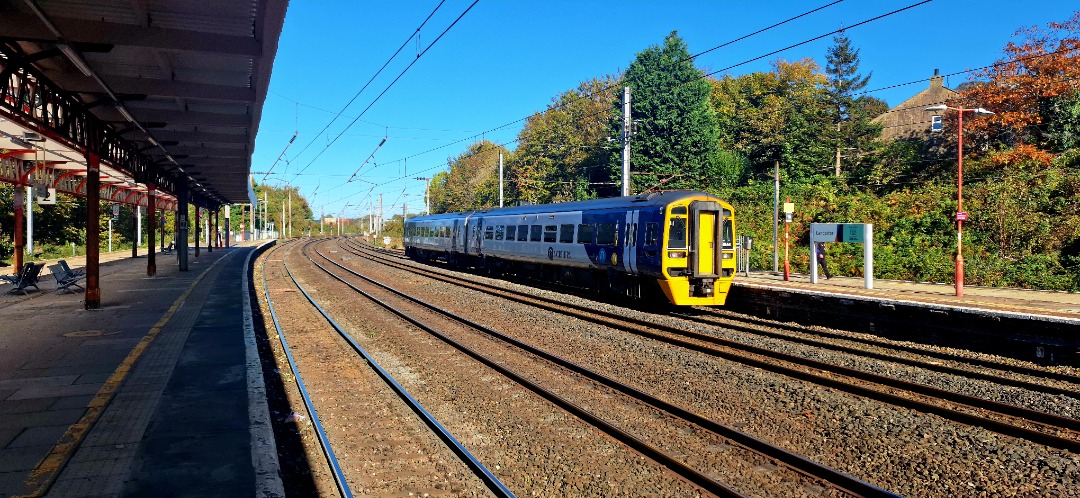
pixel 676 254
pixel 729 255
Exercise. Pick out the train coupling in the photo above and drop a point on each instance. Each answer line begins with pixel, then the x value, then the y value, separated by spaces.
pixel 703 287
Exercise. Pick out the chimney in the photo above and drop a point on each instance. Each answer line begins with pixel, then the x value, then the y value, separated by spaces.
pixel 937 79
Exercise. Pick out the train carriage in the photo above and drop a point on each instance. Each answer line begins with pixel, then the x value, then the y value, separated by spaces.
pixel 678 243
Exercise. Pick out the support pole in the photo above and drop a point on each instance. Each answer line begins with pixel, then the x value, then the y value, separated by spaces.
pixel 196 231
pixel 93 232
pixel 787 245
pixel 20 239
pixel 228 226
pixel 136 229
pixel 776 218
pixel 211 234
pixel 500 180
pixel 151 231
pixel 626 142
pixel 182 226
pixel 30 222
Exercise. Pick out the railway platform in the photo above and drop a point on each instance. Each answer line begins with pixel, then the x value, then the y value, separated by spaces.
pixel 1039 326
pixel 157 393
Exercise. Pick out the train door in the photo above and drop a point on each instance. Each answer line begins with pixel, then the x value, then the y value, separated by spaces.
pixel 455 236
pixel 705 219
pixel 632 218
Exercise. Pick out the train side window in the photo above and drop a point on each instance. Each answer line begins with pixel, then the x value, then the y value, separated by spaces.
pixel 550 232
pixel 523 233
pixel 500 231
pixel 586 234
pixel 566 233
pixel 605 233
pixel 489 232
pixel 535 233
pixel 677 233
pixel 511 232
pixel 652 233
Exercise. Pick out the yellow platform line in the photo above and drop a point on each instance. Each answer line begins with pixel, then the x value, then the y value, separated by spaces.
pixel 44 475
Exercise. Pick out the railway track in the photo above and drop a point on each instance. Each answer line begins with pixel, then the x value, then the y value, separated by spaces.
pixel 1036 426
pixel 429 316
pixel 368 386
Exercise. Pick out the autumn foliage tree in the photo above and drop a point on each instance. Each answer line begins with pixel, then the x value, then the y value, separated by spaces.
pixel 1032 90
pixel 562 152
pixel 472 181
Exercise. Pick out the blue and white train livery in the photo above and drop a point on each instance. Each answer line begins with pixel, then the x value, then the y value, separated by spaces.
pixel 678 243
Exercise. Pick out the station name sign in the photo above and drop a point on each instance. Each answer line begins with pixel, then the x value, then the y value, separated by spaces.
pixel 838 232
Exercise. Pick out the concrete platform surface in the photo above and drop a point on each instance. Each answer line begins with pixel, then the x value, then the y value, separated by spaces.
pixel 157 393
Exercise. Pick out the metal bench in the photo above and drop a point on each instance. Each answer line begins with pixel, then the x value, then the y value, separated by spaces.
pixel 68 269
pixel 28 277
pixel 65 278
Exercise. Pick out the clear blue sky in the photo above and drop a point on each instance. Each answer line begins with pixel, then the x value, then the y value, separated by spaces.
pixel 506 60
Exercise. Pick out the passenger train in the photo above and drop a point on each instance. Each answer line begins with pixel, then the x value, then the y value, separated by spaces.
pixel 678 243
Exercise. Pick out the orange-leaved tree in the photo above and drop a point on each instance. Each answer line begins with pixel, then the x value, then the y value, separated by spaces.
pixel 1028 88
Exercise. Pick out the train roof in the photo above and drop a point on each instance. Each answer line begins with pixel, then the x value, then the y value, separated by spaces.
pixel 643 200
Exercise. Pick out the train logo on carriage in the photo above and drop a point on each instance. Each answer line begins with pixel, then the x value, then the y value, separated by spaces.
pixel 553 254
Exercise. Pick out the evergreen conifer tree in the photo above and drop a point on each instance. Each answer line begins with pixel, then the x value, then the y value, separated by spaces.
pixel 844 81
pixel 676 137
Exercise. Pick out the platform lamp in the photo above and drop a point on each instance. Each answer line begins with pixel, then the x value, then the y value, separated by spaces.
pixel 960 214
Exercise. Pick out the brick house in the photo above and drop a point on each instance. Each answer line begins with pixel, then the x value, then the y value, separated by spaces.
pixel 909 119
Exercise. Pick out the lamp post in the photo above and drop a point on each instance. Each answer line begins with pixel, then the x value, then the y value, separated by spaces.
pixel 960 214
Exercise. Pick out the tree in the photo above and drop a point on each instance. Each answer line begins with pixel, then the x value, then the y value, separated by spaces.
pixel 471 182
pixel 1034 84
pixel 776 116
pixel 562 152
pixel 850 115
pixel 676 139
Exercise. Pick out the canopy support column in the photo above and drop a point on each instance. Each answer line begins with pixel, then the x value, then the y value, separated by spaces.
pixel 151 230
pixel 198 232
pixel 93 231
pixel 182 225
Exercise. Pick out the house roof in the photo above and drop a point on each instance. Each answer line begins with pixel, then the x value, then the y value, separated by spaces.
pixel 909 118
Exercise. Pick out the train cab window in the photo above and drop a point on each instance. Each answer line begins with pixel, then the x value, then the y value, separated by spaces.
pixel 523 233
pixel 678 210
pixel 677 233
pixel 605 233
pixel 500 231
pixel 489 233
pixel 586 234
pixel 566 233
pixel 535 232
pixel 652 233
pixel 728 233
pixel 549 233
pixel 511 232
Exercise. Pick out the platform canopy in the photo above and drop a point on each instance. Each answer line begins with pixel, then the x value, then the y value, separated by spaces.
pixel 168 92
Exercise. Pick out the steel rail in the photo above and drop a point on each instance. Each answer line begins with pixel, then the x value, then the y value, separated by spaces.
pixel 1050 421
pixel 1018 369
pixel 324 441
pixel 490 481
pixel 657 455
pixel 795 462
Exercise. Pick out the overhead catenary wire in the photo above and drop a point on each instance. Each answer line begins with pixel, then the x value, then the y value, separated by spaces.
pixel 473 137
pixel 415 34
pixel 402 73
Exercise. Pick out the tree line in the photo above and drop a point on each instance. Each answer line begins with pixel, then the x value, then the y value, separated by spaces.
pixel 728 134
